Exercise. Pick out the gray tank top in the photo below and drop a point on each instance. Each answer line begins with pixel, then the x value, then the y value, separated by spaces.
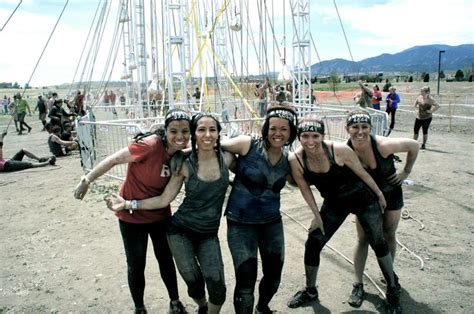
pixel 201 209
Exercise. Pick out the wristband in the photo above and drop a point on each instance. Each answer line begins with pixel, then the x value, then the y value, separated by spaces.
pixel 131 206
pixel 86 180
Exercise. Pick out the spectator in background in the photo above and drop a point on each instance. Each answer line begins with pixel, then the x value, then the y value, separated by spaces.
pixel 4 104
pixel 42 111
pixel 79 104
pixel 122 101
pixel 363 98
pixel 58 115
pixel 392 101
pixel 261 93
pixel 425 105
pixel 16 163
pixel 197 96
pixel 376 97
pixel 57 146
pixel 51 101
pixel 21 107
pixel 14 112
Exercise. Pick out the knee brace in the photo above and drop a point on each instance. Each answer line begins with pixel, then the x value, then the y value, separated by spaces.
pixel 246 274
pixel 380 248
pixel 217 291
pixel 313 247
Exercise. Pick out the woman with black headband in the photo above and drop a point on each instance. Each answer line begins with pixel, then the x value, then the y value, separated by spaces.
pixel 253 210
pixel 346 188
pixel 148 173
pixel 192 235
pixel 376 154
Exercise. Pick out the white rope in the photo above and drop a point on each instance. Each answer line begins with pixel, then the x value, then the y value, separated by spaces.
pixel 337 252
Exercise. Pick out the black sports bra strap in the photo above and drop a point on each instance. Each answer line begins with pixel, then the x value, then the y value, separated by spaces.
pixel 329 154
pixel 299 161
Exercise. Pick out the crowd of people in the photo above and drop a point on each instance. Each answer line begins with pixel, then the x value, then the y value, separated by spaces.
pixel 357 177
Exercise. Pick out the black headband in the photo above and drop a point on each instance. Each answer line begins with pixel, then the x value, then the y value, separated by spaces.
pixel 176 115
pixel 358 118
pixel 311 126
pixel 282 113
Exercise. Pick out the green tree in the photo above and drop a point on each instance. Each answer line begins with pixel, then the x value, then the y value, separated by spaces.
pixel 410 79
pixel 333 81
pixel 16 85
pixel 459 76
pixel 426 78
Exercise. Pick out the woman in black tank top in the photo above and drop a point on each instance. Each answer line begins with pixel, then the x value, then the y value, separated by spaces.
pixel 376 153
pixel 346 188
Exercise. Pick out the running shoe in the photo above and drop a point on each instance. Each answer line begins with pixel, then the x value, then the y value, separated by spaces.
pixel 177 308
pixel 357 294
pixel 302 297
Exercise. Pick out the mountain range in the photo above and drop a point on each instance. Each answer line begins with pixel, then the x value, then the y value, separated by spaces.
pixel 415 59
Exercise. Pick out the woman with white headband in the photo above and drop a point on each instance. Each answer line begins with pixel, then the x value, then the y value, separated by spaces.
pixel 346 188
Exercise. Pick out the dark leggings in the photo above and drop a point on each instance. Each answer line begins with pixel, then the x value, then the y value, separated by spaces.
pixel 424 124
pixel 333 215
pixel 21 119
pixel 391 112
pixel 245 241
pixel 135 240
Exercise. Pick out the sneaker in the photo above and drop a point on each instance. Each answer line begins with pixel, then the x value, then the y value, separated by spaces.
pixel 423 146
pixel 266 310
pixel 397 283
pixel 177 308
pixel 29 129
pixel 203 309
pixel 302 297
pixel 357 294
pixel 393 301
pixel 141 310
pixel 52 160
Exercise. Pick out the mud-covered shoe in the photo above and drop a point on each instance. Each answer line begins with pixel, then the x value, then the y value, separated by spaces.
pixel 266 310
pixel 52 160
pixel 203 309
pixel 141 310
pixel 393 301
pixel 357 294
pixel 177 308
pixel 302 297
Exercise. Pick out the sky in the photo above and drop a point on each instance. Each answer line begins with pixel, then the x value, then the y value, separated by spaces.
pixel 372 27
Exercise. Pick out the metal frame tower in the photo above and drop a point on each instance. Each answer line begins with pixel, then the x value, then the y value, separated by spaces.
pixel 176 37
pixel 301 51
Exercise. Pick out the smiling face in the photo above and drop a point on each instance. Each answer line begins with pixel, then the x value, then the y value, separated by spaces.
pixel 359 132
pixel 177 135
pixel 206 134
pixel 278 132
pixel 311 141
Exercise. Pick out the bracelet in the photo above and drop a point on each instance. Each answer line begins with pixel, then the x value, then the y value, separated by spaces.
pixel 131 206
pixel 86 180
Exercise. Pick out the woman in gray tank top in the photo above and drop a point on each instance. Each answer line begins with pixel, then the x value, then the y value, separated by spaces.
pixel 192 235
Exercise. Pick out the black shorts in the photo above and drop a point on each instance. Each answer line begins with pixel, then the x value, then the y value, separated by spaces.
pixel 394 199
pixel 15 165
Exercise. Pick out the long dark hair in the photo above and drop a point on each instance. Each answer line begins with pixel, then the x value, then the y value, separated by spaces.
pixel 193 128
pixel 172 115
pixel 284 112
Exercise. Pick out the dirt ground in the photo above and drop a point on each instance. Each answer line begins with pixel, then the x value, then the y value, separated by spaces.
pixel 62 255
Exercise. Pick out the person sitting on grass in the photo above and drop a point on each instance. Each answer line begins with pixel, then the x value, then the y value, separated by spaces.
pixel 16 163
